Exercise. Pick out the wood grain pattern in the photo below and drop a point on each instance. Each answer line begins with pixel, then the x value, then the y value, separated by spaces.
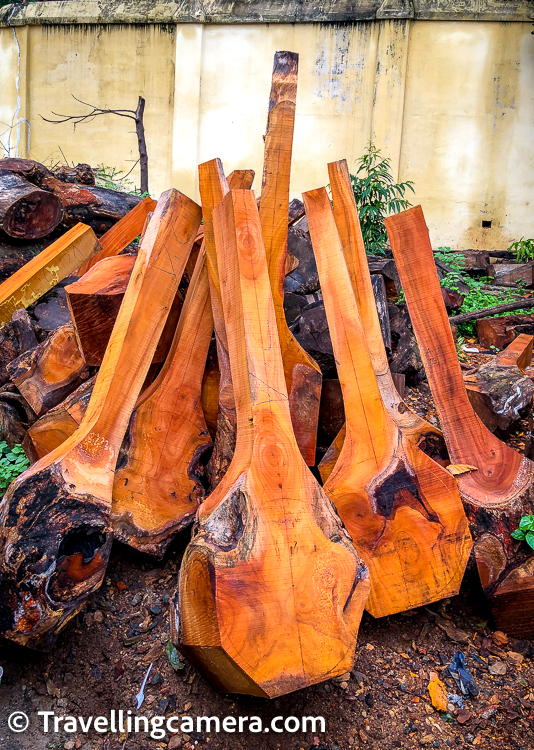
pixel 422 433
pixel 302 373
pixel 213 188
pixel 55 535
pixel 46 270
pixel 402 509
pixel 518 353
pixel 158 486
pixel 121 234
pixel 271 590
pixel 500 491
pixel 51 371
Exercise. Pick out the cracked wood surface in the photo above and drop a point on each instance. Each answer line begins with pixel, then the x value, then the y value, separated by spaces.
pixel 402 509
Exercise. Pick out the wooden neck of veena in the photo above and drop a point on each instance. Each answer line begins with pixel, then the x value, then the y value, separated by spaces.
pixel 274 200
pixel 153 285
pixel 253 345
pixel 350 234
pixel 469 442
pixel 364 409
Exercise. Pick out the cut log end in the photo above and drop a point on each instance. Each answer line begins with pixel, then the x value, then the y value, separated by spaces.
pixel 33 216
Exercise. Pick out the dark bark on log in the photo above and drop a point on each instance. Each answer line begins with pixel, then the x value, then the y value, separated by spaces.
pixel 406 359
pixel 8 352
pixel 53 312
pixel 381 300
pixel 453 300
pixel 488 311
pixel 511 273
pixel 8 266
pixel 387 269
pixel 499 395
pixel 296 211
pixel 48 373
pixel 30 170
pixel 98 207
pixel 400 383
pixel 16 416
pixel 23 329
pixel 331 411
pixel 304 279
pixel 81 173
pixel 25 211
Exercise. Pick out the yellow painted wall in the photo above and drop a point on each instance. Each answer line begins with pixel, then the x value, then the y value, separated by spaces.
pixel 452 104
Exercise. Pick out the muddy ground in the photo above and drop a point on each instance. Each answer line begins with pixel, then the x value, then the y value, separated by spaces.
pixel 100 660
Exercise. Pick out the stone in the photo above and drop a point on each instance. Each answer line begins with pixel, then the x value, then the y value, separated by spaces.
pixel 342 677
pixel 515 658
pixel 497 668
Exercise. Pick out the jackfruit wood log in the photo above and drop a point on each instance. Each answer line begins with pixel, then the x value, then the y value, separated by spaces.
pixel 158 485
pixel 271 590
pixel 500 491
pixel 402 509
pixel 416 429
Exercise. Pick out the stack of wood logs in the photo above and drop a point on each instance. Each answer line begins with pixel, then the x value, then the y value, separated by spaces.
pixel 182 390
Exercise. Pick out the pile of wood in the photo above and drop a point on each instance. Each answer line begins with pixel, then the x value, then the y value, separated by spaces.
pixel 182 389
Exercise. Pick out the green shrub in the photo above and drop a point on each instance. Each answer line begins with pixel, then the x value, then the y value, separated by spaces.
pixel 523 249
pixel 13 462
pixel 377 196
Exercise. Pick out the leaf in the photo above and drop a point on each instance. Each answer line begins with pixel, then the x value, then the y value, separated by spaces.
pixel 530 539
pixel 527 523
pixel 519 534
pixel 174 657
pixel 438 694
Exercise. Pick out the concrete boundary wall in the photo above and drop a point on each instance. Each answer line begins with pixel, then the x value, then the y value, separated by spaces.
pixel 444 87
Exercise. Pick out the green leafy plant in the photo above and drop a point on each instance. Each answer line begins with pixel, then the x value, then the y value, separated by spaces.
pixel 525 532
pixel 174 657
pixel 377 196
pixel 13 462
pixel 110 177
pixel 523 249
